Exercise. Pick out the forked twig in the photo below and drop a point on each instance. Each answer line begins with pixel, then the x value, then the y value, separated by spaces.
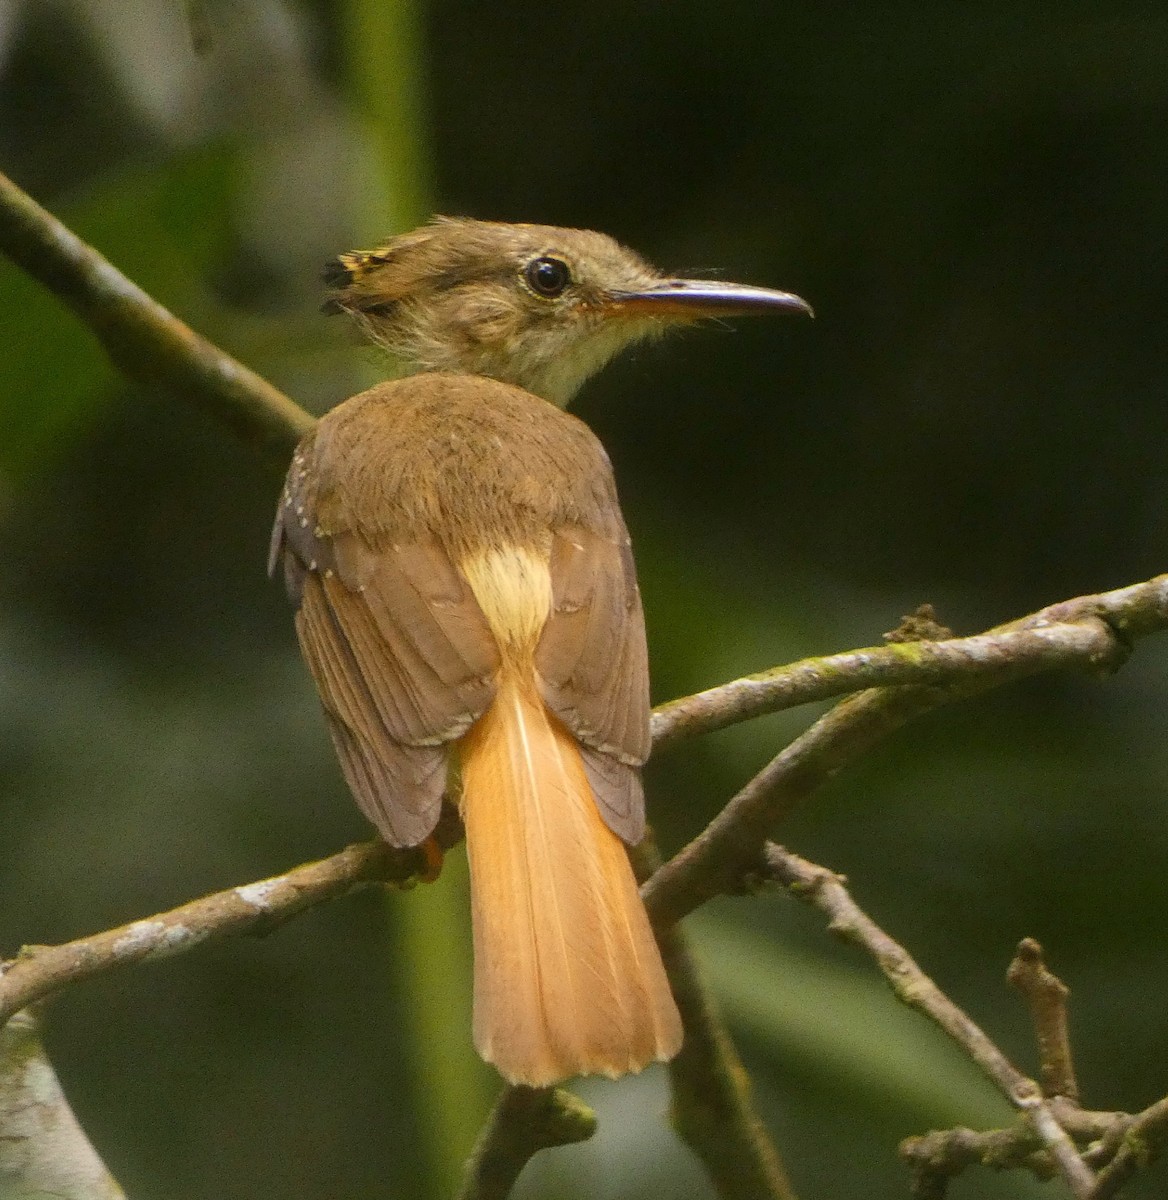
pixel 826 890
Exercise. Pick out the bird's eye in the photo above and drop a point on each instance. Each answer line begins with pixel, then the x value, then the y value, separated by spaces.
pixel 548 276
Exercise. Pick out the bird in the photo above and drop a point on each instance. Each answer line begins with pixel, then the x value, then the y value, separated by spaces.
pixel 467 604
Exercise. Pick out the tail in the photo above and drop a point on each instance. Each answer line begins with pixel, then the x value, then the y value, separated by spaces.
pixel 568 977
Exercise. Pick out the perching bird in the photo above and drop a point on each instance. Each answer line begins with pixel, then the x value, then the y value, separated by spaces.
pixel 467 605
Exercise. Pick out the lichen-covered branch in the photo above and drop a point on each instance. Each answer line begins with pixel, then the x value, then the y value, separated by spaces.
pixel 523 1122
pixel 1115 1144
pixel 938 1157
pixel 253 908
pixel 897 664
pixel 1088 631
pixel 43 1150
pixel 144 340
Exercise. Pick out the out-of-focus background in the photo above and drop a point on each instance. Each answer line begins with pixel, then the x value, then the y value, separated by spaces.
pixel 974 198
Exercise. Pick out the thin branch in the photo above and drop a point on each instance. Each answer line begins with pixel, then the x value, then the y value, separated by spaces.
pixel 717 860
pixel 1046 997
pixel 826 891
pixel 43 1150
pixel 1092 631
pixel 936 1157
pixel 253 908
pixel 1063 634
pixel 1143 1142
pixel 901 663
pixel 523 1122
pixel 144 340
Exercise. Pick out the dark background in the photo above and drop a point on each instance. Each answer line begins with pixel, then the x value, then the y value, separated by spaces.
pixel 974 199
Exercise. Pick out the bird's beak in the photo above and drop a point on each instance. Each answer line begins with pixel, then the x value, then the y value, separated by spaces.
pixel 691 299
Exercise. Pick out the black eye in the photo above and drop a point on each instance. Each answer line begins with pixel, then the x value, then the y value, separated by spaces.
pixel 548 276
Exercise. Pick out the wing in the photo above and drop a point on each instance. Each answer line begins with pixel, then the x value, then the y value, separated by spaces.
pixel 593 667
pixel 401 655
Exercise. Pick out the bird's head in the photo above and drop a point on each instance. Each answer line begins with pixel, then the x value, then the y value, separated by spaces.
pixel 533 305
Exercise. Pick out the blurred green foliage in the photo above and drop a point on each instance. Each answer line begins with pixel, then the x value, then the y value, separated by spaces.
pixel 169 222
pixel 973 200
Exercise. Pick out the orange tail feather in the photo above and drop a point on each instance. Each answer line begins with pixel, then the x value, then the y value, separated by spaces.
pixel 568 977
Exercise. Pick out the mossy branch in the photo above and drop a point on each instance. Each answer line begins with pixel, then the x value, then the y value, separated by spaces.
pixel 1091 632
pixel 1094 633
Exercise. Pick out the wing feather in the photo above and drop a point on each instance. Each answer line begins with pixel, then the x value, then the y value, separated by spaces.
pixel 592 665
pixel 400 652
pixel 398 787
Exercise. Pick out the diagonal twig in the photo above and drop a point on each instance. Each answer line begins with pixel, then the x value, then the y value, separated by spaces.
pixel 1093 631
pixel 826 891
pixel 729 849
pixel 144 340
